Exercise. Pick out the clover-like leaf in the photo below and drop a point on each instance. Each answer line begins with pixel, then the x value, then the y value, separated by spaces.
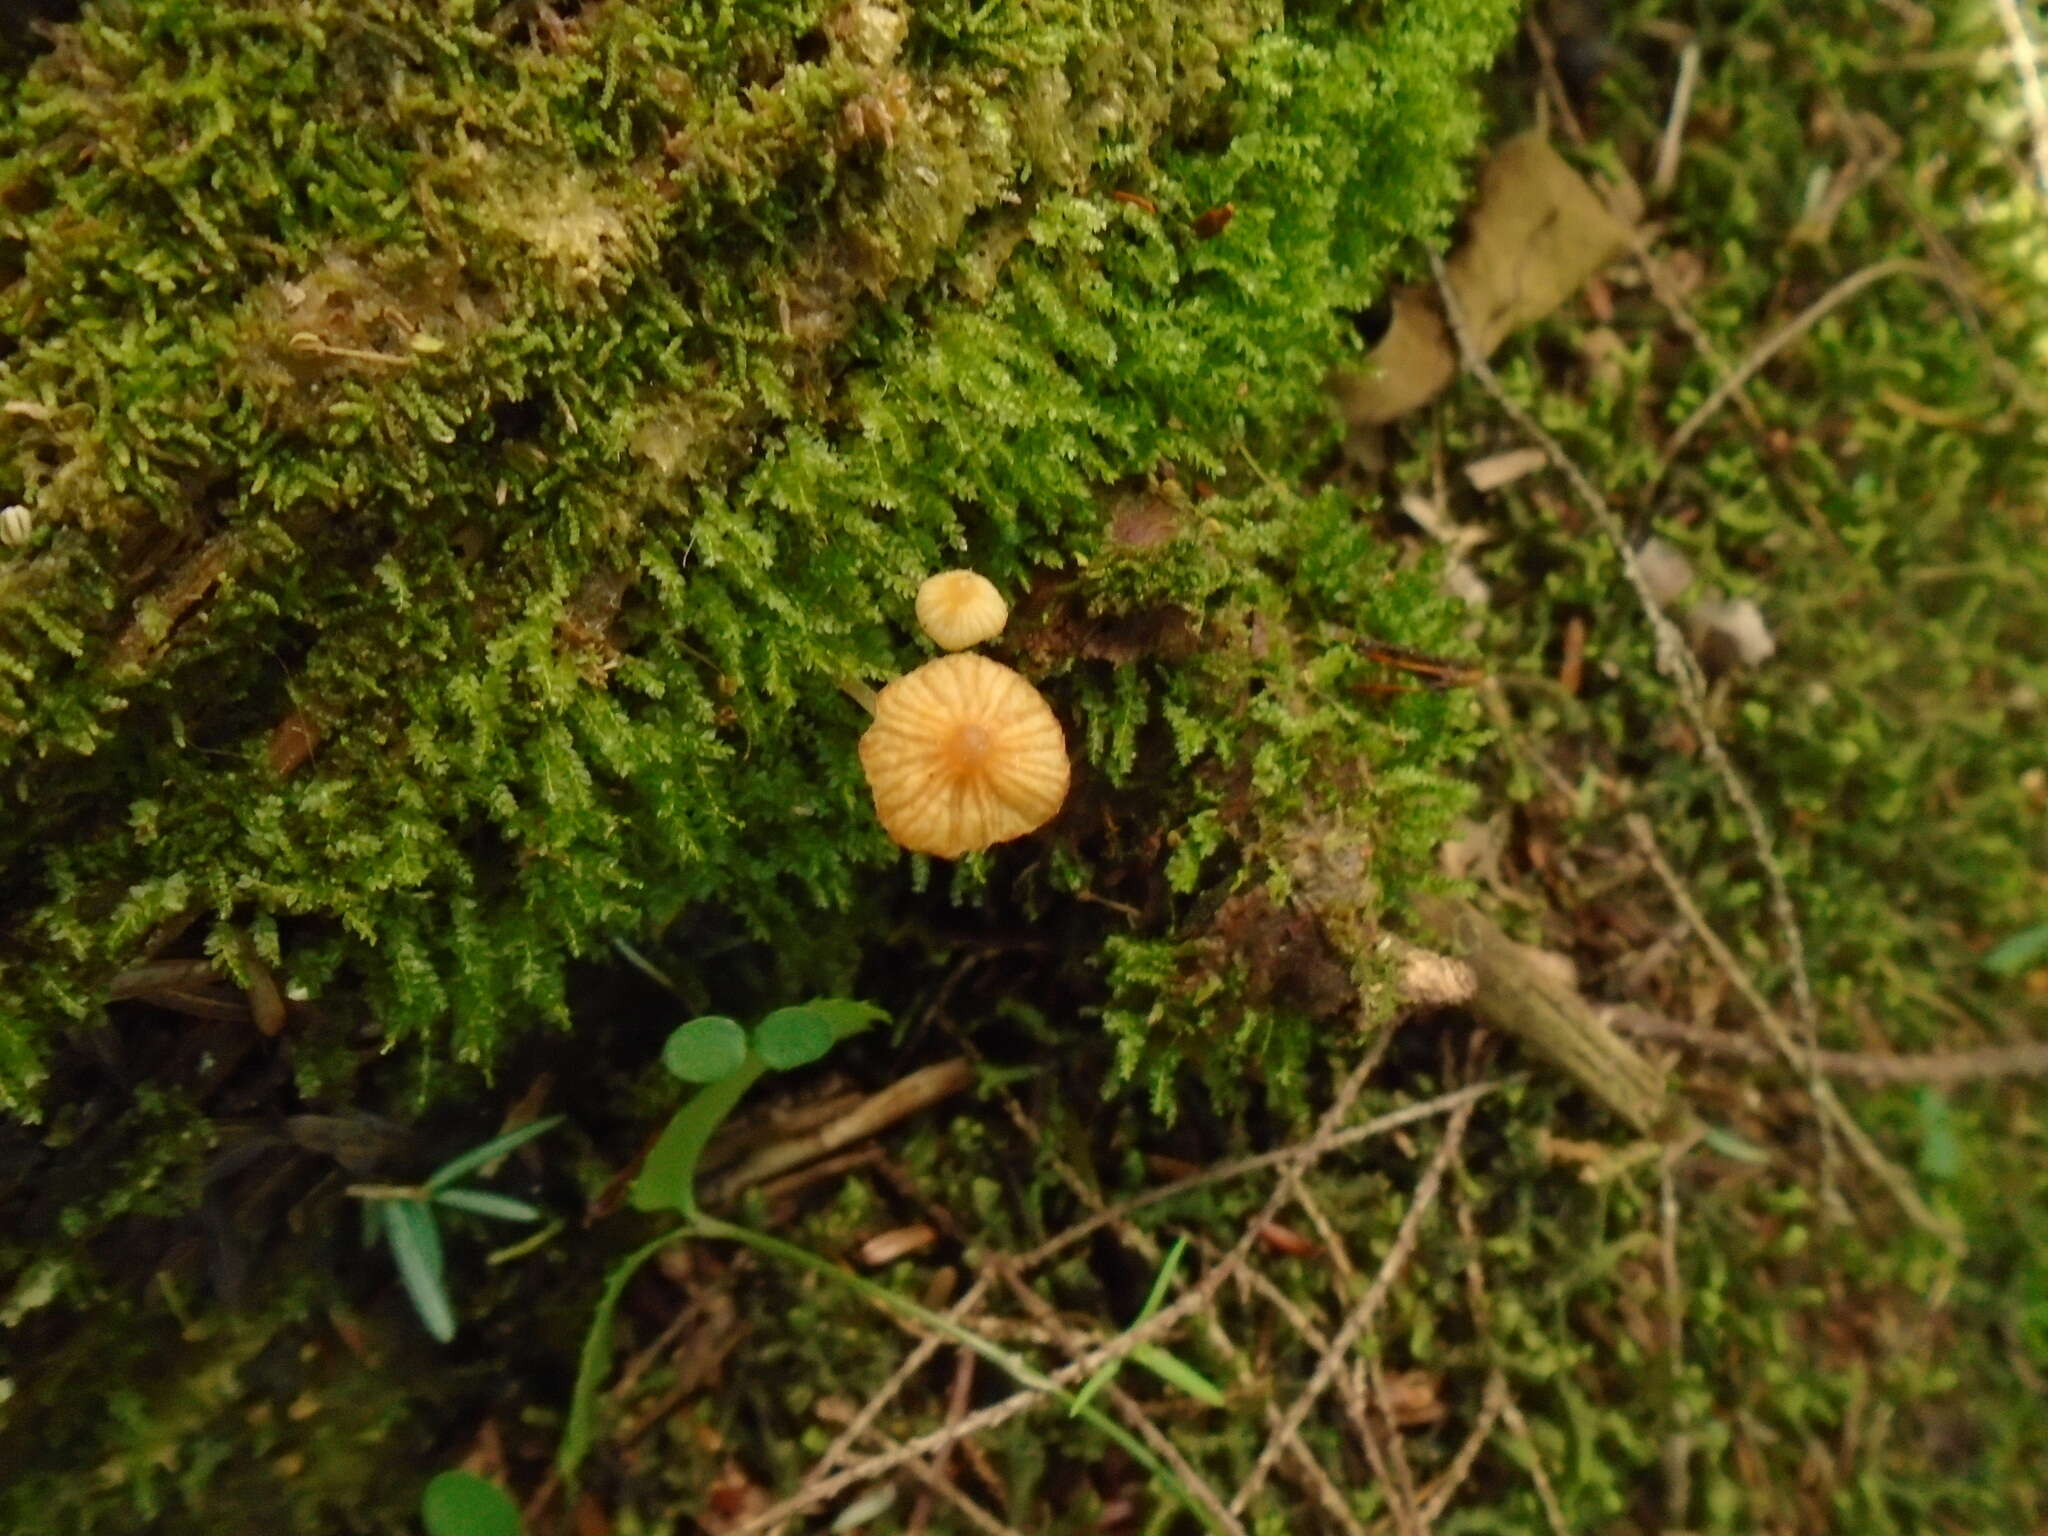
pixel 705 1050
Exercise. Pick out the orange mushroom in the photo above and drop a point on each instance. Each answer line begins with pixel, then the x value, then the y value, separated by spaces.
pixel 961 608
pixel 963 754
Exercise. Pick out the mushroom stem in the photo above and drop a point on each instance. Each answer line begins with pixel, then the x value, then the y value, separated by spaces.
pixel 857 691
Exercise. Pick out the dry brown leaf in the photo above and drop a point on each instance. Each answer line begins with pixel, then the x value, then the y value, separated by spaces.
pixel 1537 232
pixel 1412 1398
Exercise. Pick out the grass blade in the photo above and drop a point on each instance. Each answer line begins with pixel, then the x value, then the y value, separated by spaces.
pixel 415 1240
pixel 2023 951
pixel 1176 1372
pixel 1107 1373
pixel 482 1202
pixel 496 1147
pixel 595 1361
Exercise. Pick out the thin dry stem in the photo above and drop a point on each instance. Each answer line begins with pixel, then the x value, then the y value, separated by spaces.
pixel 1779 340
pixel 1389 1460
pixel 848 1437
pixel 1326 1139
pixel 1143 1243
pixel 1437 1497
pixel 1940 1068
pixel 1126 1406
pixel 1826 1102
pixel 1362 1315
pixel 1546 1495
pixel 1669 148
pixel 1678 1441
pixel 872 1115
pixel 1315 1147
pixel 944 1488
pixel 1676 661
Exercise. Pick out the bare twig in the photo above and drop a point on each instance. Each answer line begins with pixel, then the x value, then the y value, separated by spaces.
pixel 1825 1101
pixel 1361 1316
pixel 943 1487
pixel 1677 662
pixel 1791 331
pixel 1437 1497
pixel 1553 82
pixel 1678 1441
pixel 956 1409
pixel 1546 1495
pixel 2026 63
pixel 1665 176
pixel 1942 1068
pixel 876 1113
pixel 1303 1459
pixel 1326 1139
pixel 1315 1147
pixel 1126 1406
pixel 1355 1386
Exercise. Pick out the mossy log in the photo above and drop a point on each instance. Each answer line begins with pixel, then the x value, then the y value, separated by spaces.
pixel 461 447
pixel 463 443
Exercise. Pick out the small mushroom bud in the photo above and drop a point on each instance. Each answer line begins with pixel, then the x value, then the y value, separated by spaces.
pixel 961 608
pixel 963 754
pixel 17 523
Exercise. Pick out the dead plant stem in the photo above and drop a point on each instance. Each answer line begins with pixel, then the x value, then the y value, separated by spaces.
pixel 1676 661
pixel 1801 1056
pixel 1361 1316
pixel 1783 337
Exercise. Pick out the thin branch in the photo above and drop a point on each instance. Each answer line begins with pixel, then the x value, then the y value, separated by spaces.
pixel 1316 1147
pixel 1348 1387
pixel 1778 341
pixel 1389 1463
pixel 1125 1405
pixel 1154 1328
pixel 1665 176
pixel 1546 1495
pixel 1142 1242
pixel 1678 1442
pixel 1886 1172
pixel 1677 662
pixel 1437 1497
pixel 848 1437
pixel 943 1487
pixel 872 1115
pixel 1941 1068
pixel 1361 1316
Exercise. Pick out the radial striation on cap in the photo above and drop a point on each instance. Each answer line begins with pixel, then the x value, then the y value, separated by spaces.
pixel 961 608
pixel 963 754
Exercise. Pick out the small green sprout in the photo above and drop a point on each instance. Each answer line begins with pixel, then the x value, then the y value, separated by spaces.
pixel 402 1216
pixel 702 1052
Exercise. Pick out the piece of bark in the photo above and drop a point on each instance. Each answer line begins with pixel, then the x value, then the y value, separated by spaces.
pixel 1515 996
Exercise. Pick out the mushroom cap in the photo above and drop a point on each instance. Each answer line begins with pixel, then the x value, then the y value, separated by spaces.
pixel 963 754
pixel 961 608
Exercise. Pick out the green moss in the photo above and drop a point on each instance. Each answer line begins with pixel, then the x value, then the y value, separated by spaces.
pixel 542 421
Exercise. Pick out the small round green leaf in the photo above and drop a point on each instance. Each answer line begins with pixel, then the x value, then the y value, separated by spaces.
pixel 793 1037
pixel 463 1504
pixel 706 1050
